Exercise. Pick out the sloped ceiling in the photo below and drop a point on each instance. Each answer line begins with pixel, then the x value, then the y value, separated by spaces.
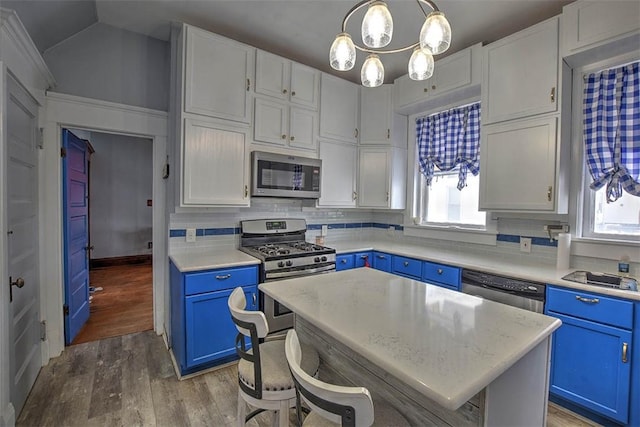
pixel 302 30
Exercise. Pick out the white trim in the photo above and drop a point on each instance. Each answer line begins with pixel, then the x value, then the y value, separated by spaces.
pixel 480 237
pixel 84 113
pixel 594 248
pixel 8 415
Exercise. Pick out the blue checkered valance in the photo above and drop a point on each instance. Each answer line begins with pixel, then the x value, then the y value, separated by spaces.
pixel 450 139
pixel 612 129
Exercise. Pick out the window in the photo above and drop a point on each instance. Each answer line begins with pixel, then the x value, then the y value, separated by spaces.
pixel 611 138
pixel 447 149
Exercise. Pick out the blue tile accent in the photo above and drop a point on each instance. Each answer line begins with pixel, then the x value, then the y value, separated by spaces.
pixel 353 225
pixel 332 226
pixel 200 231
pixel 380 225
pixel 543 241
pixel 219 231
pixel 314 226
pixel 177 233
pixel 399 227
pixel 367 224
pixel 508 238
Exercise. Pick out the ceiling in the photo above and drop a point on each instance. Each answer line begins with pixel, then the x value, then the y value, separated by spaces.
pixel 302 30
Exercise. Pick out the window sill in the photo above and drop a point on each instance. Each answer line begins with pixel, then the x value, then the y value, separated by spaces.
pixel 466 235
pixel 605 249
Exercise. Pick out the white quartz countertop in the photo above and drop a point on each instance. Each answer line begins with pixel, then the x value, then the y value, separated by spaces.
pixel 197 259
pixel 511 266
pixel 445 345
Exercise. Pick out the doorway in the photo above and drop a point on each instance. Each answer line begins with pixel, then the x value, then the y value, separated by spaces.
pixel 119 236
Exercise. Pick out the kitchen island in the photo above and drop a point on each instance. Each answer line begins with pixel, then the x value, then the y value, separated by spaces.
pixel 439 356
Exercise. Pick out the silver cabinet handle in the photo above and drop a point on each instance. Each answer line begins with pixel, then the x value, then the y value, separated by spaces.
pixel 248 85
pixel 553 94
pixel 381 257
pixel 625 348
pixel 364 256
pixel 223 277
pixel 549 192
pixel 284 136
pixel 439 271
pixel 293 138
pixel 587 300
pixel 284 91
pixel 354 196
pixel 343 261
pixel 255 299
pixel 406 263
pixel 293 93
pixel 19 283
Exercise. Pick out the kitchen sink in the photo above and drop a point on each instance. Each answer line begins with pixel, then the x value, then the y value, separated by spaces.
pixel 601 279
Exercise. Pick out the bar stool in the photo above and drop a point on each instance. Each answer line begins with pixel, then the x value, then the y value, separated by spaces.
pixel 333 405
pixel 264 378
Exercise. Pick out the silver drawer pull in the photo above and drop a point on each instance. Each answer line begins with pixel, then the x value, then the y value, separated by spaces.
pixel 625 347
pixel 364 256
pixel 587 300
pixel 381 257
pixel 406 263
pixel 254 299
pixel 344 261
pixel 439 271
pixel 224 277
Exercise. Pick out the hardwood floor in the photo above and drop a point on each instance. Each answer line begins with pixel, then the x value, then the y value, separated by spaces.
pixel 129 380
pixel 123 306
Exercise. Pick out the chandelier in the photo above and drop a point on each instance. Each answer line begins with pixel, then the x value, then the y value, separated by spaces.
pixel 377 30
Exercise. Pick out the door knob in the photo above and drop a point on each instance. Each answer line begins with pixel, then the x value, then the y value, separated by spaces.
pixel 18 283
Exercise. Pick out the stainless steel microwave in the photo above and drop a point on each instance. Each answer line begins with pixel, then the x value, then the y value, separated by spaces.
pixel 280 175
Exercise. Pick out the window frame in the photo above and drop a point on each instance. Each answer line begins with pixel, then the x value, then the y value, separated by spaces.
pixel 585 197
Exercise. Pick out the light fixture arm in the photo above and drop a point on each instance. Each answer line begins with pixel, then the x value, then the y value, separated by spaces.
pixel 363 3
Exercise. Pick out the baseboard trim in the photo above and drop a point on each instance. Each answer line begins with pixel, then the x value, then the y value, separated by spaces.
pixel 120 260
pixel 8 416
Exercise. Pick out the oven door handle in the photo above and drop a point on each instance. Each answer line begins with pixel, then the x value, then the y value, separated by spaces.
pixel 308 271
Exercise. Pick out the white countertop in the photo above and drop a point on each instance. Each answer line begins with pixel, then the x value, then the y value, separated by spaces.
pixel 197 259
pixel 491 263
pixel 444 344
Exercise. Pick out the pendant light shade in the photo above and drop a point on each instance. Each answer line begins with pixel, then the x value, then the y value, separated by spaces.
pixel 436 33
pixel 420 64
pixel 377 25
pixel 342 55
pixel 372 73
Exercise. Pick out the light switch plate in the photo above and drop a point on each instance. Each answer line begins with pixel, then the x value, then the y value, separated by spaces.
pixel 191 235
pixel 325 230
pixel 525 244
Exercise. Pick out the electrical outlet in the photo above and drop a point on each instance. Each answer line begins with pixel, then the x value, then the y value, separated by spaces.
pixel 525 244
pixel 325 230
pixel 390 230
pixel 191 235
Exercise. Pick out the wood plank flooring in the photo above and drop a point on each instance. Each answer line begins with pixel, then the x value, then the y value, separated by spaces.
pixel 129 381
pixel 123 306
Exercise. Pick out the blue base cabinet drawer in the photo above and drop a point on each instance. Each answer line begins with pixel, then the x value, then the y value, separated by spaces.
pixel 344 262
pixel 362 258
pixel 215 280
pixel 382 261
pixel 585 305
pixel 407 267
pixel 441 274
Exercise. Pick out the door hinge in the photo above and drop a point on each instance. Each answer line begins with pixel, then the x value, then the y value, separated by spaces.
pixel 41 138
pixel 63 152
pixel 65 309
pixel 43 330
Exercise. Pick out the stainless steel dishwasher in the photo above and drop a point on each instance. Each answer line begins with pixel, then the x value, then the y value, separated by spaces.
pixel 506 290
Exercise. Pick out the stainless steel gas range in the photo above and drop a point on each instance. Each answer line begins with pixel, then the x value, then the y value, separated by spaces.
pixel 280 245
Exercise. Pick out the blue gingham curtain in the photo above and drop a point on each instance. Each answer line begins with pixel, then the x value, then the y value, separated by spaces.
pixel 450 139
pixel 612 130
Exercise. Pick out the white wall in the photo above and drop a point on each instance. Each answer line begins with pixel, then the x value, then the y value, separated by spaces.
pixel 111 64
pixel 121 183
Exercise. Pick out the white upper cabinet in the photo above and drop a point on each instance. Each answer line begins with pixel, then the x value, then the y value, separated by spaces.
pixel 375 114
pixel 303 128
pixel 215 169
pixel 217 76
pixel 600 24
pixel 283 124
pixel 286 80
pixel 519 166
pixel 461 70
pixel 339 173
pixel 382 177
pixel 339 101
pixel 520 76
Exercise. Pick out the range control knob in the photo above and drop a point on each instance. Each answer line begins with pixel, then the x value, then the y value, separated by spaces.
pixel 324 258
pixel 289 263
pixel 280 264
pixel 316 259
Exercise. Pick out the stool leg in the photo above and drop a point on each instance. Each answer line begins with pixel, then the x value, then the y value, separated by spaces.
pixel 284 413
pixel 242 407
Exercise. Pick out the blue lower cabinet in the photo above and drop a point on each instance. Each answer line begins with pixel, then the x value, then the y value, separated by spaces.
pixel 382 261
pixel 362 259
pixel 344 262
pixel 442 275
pixel 202 332
pixel 407 267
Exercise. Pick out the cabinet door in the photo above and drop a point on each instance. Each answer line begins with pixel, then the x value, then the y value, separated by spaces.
pixel 215 165
pixel 304 85
pixel 521 74
pixel 375 115
pixel 270 122
pixel 373 178
pixel 217 76
pixel 409 91
pixel 362 258
pixel 589 368
pixel 382 261
pixel 344 262
pixel 452 72
pixel 272 75
pixel 339 109
pixel 587 24
pixel 339 171
pixel 302 128
pixel 518 165
pixel 210 332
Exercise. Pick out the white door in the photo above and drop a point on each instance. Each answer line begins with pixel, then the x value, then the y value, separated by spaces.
pixel 304 85
pixel 272 75
pixel 271 122
pixel 303 128
pixel 339 101
pixel 374 178
pixel 338 186
pixel 22 213
pixel 375 115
